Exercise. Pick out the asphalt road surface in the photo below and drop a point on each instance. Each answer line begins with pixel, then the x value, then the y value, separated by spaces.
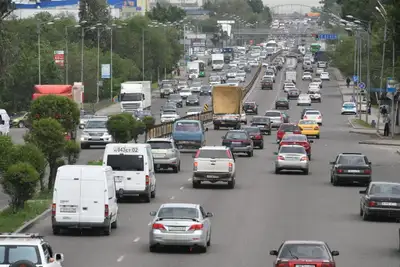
pixel 263 210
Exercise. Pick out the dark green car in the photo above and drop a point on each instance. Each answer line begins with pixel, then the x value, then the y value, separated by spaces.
pixel 19 120
pixel 282 103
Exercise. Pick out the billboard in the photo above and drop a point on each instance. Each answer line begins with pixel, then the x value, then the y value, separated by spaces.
pixel 313 14
pixel 59 57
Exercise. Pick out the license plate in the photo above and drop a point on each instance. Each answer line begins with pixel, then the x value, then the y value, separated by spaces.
pixel 307 128
pixel 236 143
pixel 212 176
pixel 388 204
pixel 176 228
pixel 249 110
pixel 288 132
pixel 353 171
pixel 304 265
pixel 68 209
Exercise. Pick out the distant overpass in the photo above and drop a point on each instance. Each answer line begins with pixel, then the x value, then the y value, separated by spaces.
pixel 255 32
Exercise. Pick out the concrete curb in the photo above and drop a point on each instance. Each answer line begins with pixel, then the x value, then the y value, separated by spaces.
pixel 29 224
pixel 372 142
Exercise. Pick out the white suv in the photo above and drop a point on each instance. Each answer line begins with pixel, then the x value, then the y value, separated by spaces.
pixel 28 250
pixel 214 164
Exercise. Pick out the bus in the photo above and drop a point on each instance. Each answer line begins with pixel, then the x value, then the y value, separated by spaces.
pixel 271 47
pixel 314 48
pixel 202 68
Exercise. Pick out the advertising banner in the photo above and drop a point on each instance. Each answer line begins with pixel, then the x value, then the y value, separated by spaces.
pixel 59 57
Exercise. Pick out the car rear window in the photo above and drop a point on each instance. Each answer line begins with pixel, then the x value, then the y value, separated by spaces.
pixel 252 130
pixel 357 160
pixel 295 137
pixel 236 136
pixel 292 149
pixel 187 127
pixel 260 120
pixel 178 213
pixel 272 114
pixel 312 113
pixel 160 144
pixel 349 105
pixel 288 127
pixel 209 153
pixel 308 251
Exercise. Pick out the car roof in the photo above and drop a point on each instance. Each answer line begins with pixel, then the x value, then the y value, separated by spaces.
pixel 160 140
pixel 273 110
pixel 313 110
pixel 213 148
pixel 235 131
pixel 179 205
pixel 384 182
pixel 349 103
pixel 304 242
pixel 291 146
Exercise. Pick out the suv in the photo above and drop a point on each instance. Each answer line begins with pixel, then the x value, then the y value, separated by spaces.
pixel 28 250
pixel 214 164
pixel 165 154
pixel 95 132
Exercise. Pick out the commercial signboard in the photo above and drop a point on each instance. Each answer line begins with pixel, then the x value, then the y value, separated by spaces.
pixel 200 36
pixel 226 22
pixel 59 57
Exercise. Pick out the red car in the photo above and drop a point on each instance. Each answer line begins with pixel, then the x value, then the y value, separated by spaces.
pixel 304 253
pixel 287 128
pixel 297 139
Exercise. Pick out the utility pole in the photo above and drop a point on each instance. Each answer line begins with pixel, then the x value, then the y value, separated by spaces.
pixel 355 65
pixel 368 70
pixel 142 54
pixel 382 68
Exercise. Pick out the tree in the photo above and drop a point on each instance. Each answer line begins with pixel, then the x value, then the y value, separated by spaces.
pixel 19 182
pixel 61 108
pixel 6 7
pixel 71 151
pixel 257 6
pixel 31 154
pixel 166 13
pixel 138 129
pixel 120 127
pixel 148 122
pixel 49 136
pixel 6 146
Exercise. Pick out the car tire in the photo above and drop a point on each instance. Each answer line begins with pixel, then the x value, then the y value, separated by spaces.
pixel 175 169
pixel 203 249
pixel 317 136
pixel 107 230
pixel 56 230
pixel 335 181
pixel 361 212
pixel 153 193
pixel 261 146
pixel 153 248
pixel 209 240
pixel 277 171
pixel 250 154
pixel 147 197
pixel 305 172
pixel 21 124
pixel 269 133
pixel 309 156
pixel 366 217
pixel 216 127
pixel 231 184
pixel 85 146
pixel 114 225
pixel 196 184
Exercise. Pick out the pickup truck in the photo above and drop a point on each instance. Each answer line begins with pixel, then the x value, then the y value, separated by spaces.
pixel 267 83
pixel 227 106
pixel 189 134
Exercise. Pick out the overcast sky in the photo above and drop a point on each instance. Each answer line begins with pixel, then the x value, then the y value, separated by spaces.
pixel 283 2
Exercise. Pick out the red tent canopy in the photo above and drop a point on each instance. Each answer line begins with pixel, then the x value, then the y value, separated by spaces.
pixel 54 89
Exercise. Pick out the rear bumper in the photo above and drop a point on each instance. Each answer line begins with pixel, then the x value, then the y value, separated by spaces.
pixel 132 193
pixel 188 144
pixel 360 178
pixel 169 162
pixel 212 176
pixel 382 212
pixel 226 123
pixel 241 149
pixel 288 165
pixel 175 239
pixel 80 225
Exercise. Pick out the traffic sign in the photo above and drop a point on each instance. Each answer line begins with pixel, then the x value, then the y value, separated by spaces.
pixel 327 36
pixel 361 85
pixel 355 78
pixel 390 87
pixel 205 107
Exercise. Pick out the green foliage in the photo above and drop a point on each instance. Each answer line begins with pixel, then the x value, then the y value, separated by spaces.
pixel 49 136
pixel 71 151
pixel 149 123
pixel 61 108
pixel 6 146
pixel 95 162
pixel 19 182
pixel 166 13
pixel 120 127
pixel 257 6
pixel 6 7
pixel 138 129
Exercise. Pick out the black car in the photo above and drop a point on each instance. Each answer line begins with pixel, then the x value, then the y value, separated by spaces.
pixel 350 168
pixel 205 90
pixel 263 123
pixel 192 100
pixel 255 135
pixel 238 141
pixel 380 199
pixel 304 112
pixel 250 108
pixel 177 99
pixel 282 103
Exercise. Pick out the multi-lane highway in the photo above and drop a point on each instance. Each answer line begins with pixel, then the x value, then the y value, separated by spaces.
pixel 263 210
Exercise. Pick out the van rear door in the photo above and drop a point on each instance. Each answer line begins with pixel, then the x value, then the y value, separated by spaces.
pixel 93 194
pixel 67 194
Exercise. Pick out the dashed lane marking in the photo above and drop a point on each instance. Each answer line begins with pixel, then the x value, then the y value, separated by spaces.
pixel 181 188
pixel 121 258
pixel 136 240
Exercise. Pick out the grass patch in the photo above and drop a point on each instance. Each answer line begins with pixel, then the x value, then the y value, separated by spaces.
pixel 361 123
pixel 9 221
pixel 95 162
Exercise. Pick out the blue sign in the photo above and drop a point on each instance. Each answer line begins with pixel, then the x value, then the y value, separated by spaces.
pixel 390 86
pixel 327 36
pixel 105 71
pixel 355 78
pixel 361 85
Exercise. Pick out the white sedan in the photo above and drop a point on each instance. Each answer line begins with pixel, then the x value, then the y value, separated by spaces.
pixel 253 63
pixel 307 76
pixel 169 117
pixel 317 81
pixel 349 108
pixel 315 97
pixel 325 76
pixel 319 71
pixel 184 93
pixel 314 88
pixel 304 100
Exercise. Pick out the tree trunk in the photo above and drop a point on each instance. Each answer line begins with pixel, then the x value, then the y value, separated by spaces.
pixel 52 175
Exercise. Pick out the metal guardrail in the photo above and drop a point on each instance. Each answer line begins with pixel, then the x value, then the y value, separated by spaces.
pixel 165 129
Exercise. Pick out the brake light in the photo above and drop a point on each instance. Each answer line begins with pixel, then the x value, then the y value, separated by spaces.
pixel 197 154
pixel 147 180
pixel 339 170
pixel 371 204
pixel 316 128
pixel 319 117
pixel 305 117
pixel 282 264
pixel 281 158
pixel 330 264
pixel 258 137
pixel 230 166
pixel 367 171
pixel 53 209
pixel 195 165
pixel 304 158
pixel 158 226
pixel 196 227
pixel 106 211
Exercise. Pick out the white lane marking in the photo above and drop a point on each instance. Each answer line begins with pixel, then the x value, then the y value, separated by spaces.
pixel 136 240
pixel 149 223
pixel 190 179
pixel 181 188
pixel 172 198
pixel 121 258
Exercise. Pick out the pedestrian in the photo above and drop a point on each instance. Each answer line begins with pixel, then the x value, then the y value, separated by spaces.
pixel 369 108
pixel 386 130
pixel 178 70
pixel 348 82
pixel 384 110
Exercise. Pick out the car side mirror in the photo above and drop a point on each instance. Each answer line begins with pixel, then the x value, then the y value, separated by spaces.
pixel 153 213
pixel 275 153
pixel 332 162
pixel 59 257
pixel 273 252
pixel 222 137
pixel 81 126
pixel 206 129
pixel 335 253
pixel 369 162
pixel 209 214
pixel 363 192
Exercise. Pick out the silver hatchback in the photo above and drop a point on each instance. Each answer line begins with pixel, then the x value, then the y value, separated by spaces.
pixel 165 154
pixel 180 224
pixel 292 157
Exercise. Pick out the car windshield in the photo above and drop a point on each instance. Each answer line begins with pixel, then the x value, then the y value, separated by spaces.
pixel 178 213
pixel 272 114
pixel 160 144
pixel 317 80
pixel 288 127
pixel 349 105
pixel 304 97
pixel 252 129
pixel 13 253
pixel 235 135
pixel 292 149
pixel 169 112
pixel 260 120
pixel 294 138
pixel 93 124
pixel 325 73
pixel 192 97
pixel 213 154
pixel 186 126
pixel 307 122
pixel 215 78
pixel 355 160
pixel 385 189
pixel 247 105
pixel 304 251
pixel 185 91
pixel 307 73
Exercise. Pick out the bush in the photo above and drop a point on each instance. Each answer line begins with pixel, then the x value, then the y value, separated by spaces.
pixel 71 151
pixel 6 146
pixel 19 182
pixel 120 127
pixel 148 122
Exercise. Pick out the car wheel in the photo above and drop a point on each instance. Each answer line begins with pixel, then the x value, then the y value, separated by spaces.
pixel 196 184
pixel 309 156
pixel 209 240
pixel 305 172
pixel 331 180
pixel 250 154
pixel 261 146
pixel 231 184
pixel 277 171
pixel 366 217
pixel 21 124
pixel 153 248
pixel 335 181
pixel 175 169
pixel 361 212
pixel 317 136
pixel 56 230
pixel 107 230
pixel 114 225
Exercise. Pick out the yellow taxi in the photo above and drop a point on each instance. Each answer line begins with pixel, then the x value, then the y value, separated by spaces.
pixel 309 128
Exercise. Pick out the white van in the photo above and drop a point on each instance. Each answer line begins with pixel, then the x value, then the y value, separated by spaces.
pixel 133 168
pixel 84 197
pixel 4 122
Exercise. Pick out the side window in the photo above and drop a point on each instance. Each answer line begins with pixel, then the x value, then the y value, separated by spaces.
pixel 150 157
pixel 203 213
pixel 46 253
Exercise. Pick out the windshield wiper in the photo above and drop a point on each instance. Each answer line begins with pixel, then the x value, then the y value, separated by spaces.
pixel 293 256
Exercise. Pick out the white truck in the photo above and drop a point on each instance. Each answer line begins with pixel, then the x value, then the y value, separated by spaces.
pixel 135 96
pixel 290 75
pixel 193 69
pixel 217 62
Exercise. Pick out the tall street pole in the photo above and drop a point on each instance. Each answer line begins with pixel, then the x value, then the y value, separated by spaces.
pixel 66 55
pixel 355 63
pixel 368 70
pixel 111 64
pixel 142 54
pixel 82 51
pixel 39 55
pixel 98 66
pixel 382 68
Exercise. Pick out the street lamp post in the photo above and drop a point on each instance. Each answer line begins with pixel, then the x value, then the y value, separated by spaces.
pixel 83 48
pixel 66 49
pixel 39 27
pixel 98 64
pixel 111 28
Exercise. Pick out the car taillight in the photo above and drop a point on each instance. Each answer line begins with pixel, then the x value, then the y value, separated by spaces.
pixel 319 117
pixel 195 227
pixel 316 128
pixel 339 170
pixel 147 180
pixel 372 204
pixel 106 210
pixel 367 171
pixel 304 158
pixel 195 165
pixel 305 117
pixel 53 209
pixel 297 132
pixel 326 264
pixel 230 166
pixel 158 226
pixel 281 158
pixel 258 137
pixel 282 264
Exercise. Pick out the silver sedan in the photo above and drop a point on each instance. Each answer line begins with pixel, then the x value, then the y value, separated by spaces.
pixel 291 157
pixel 180 224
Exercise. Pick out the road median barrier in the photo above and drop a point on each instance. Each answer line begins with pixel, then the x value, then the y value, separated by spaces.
pixel 165 129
